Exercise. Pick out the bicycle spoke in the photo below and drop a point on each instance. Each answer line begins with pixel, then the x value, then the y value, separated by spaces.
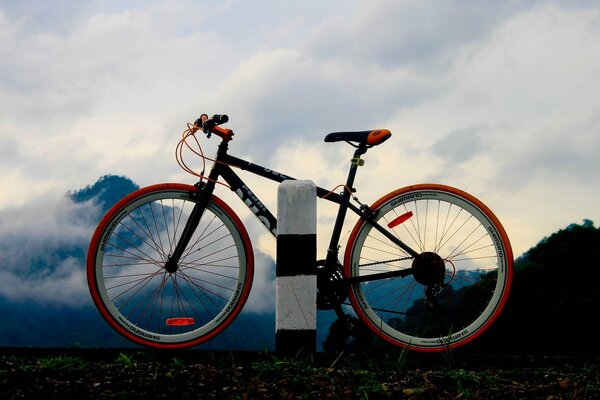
pixel 201 236
pixel 448 286
pixel 197 289
pixel 149 231
pixel 150 305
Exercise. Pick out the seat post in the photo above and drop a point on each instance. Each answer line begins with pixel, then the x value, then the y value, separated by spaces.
pixel 361 149
pixel 332 251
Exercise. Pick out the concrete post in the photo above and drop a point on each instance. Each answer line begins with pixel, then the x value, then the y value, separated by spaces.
pixel 296 306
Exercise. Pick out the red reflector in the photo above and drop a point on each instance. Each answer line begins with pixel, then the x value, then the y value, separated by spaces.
pixel 400 219
pixel 181 321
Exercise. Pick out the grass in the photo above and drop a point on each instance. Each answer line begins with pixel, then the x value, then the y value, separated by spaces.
pixel 62 362
pixel 126 360
pixel 265 375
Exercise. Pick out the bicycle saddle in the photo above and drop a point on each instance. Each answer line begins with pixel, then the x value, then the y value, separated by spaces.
pixel 369 138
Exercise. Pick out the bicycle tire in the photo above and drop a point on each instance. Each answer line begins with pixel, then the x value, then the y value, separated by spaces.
pixel 477 268
pixel 134 292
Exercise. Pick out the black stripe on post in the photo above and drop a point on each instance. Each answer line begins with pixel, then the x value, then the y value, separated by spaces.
pixel 293 343
pixel 296 255
pixel 296 307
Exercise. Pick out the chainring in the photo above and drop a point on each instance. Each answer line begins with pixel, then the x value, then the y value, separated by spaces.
pixel 331 290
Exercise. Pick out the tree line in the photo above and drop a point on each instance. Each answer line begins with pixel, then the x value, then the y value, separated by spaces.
pixel 553 307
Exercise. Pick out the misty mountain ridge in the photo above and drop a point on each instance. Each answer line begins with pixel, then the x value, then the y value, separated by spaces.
pixel 43 245
pixel 107 190
pixel 44 299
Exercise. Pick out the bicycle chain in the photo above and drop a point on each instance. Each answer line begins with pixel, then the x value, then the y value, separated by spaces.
pixel 386 261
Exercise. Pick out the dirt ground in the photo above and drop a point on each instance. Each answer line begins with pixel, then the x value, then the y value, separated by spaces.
pixel 131 375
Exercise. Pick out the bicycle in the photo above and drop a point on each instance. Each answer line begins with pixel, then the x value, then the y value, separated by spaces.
pixel 427 267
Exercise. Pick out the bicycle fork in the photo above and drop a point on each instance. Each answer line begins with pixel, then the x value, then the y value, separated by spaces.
pixel 172 264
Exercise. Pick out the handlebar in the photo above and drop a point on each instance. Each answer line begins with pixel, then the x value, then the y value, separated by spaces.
pixel 211 125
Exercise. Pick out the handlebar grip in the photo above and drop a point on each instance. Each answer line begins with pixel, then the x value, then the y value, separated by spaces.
pixel 220 119
pixel 208 123
pixel 211 125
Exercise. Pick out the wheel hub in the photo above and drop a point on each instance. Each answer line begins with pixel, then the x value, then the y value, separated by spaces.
pixel 171 266
pixel 429 269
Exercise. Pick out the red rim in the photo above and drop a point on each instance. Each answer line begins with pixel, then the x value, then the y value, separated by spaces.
pixel 509 268
pixel 91 276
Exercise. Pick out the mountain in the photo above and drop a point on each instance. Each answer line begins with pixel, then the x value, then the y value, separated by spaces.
pixel 554 300
pixel 43 295
pixel 52 307
pixel 552 308
pixel 44 301
pixel 106 191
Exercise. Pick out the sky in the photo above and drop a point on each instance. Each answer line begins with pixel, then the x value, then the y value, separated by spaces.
pixel 500 99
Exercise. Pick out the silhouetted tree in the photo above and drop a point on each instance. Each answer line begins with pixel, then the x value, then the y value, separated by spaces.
pixel 553 307
pixel 554 303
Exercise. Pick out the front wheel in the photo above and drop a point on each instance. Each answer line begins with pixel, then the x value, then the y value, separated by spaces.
pixel 456 281
pixel 169 308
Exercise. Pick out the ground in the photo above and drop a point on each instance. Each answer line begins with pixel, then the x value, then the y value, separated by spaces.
pixel 141 374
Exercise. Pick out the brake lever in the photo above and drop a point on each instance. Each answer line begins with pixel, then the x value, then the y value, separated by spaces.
pixel 208 124
pixel 204 123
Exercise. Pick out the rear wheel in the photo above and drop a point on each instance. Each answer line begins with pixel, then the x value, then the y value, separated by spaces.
pixel 178 307
pixel 456 286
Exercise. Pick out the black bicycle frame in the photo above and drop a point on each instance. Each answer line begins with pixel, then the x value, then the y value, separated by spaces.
pixel 223 168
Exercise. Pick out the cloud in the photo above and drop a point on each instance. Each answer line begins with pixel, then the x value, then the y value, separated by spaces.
pixel 77 106
pixel 9 151
pixel 73 72
pixel 495 98
pixel 65 285
pixel 262 295
pixel 43 245
pixel 285 94
pixel 528 86
pixel 460 146
pixel 42 250
pixel 409 33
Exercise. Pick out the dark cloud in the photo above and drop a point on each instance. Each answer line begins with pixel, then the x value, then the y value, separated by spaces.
pixel 419 34
pixel 460 146
pixel 53 15
pixel 558 156
pixel 284 95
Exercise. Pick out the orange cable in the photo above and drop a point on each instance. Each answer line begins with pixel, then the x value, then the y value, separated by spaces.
pixel 340 185
pixel 190 131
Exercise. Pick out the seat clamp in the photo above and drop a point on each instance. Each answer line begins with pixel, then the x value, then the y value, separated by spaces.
pixel 358 161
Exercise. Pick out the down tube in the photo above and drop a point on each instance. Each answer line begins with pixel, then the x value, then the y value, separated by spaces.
pixel 250 200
